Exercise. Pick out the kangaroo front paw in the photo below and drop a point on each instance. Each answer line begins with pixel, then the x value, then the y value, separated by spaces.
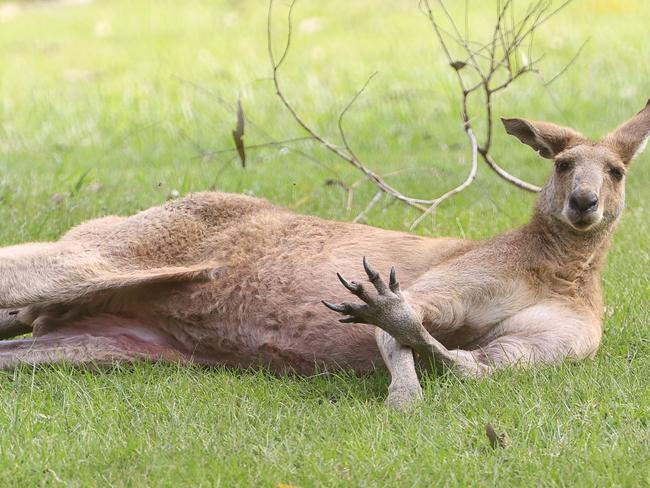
pixel 387 309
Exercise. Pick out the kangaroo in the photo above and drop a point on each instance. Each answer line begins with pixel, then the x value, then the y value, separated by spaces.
pixel 216 278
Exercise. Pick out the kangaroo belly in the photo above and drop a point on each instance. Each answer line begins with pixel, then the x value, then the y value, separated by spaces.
pixel 265 306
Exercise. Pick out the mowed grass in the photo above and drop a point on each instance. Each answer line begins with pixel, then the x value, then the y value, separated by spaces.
pixel 111 107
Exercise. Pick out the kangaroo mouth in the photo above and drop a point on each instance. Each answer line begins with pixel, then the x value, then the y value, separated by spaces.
pixel 582 225
pixel 582 221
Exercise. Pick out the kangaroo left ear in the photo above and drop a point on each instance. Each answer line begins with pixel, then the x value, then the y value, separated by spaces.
pixel 630 138
pixel 547 139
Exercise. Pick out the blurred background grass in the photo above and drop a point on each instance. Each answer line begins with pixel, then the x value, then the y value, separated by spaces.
pixel 133 93
pixel 110 107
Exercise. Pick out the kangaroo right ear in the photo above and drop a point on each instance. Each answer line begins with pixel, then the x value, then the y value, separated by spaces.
pixel 547 139
pixel 630 138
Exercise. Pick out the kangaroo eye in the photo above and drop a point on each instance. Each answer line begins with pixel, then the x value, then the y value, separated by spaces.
pixel 616 173
pixel 562 166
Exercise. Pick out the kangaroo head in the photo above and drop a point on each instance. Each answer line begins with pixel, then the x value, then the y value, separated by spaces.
pixel 587 187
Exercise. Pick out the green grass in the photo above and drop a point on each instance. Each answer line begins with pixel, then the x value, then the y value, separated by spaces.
pixel 108 108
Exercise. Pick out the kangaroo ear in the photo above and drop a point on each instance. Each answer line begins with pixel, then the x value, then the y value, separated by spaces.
pixel 630 138
pixel 547 139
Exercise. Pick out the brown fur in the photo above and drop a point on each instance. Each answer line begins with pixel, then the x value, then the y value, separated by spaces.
pixel 229 279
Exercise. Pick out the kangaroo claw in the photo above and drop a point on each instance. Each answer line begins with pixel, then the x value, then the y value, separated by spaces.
pixel 386 309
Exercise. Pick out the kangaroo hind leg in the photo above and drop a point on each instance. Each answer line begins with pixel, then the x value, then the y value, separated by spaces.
pixel 64 271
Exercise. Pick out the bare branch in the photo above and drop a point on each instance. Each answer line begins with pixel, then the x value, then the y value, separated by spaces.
pixel 468 181
pixel 254 146
pixel 568 65
pixel 503 63
pixel 482 69
pixel 345 111
pixel 373 202
pixel 352 187
pixel 340 152
pixel 258 128
pixel 524 185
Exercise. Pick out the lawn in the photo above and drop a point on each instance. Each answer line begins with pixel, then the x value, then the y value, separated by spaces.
pixel 110 107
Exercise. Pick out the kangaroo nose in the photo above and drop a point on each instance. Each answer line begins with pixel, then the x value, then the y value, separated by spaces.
pixel 583 201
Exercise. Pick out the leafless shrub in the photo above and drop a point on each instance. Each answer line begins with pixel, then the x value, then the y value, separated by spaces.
pixel 482 69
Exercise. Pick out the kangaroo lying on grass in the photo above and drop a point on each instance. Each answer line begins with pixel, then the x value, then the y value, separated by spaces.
pixel 218 278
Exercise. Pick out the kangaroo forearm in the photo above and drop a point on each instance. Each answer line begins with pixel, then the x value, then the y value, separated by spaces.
pixel 436 311
pixel 404 337
pixel 404 386
pixel 447 299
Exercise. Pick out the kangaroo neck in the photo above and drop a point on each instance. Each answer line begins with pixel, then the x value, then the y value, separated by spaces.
pixel 574 254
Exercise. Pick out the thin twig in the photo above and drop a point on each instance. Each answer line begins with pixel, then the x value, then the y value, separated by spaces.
pixel 468 181
pixel 524 185
pixel 204 153
pixel 373 202
pixel 227 106
pixel 568 65
pixel 352 187
pixel 345 111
